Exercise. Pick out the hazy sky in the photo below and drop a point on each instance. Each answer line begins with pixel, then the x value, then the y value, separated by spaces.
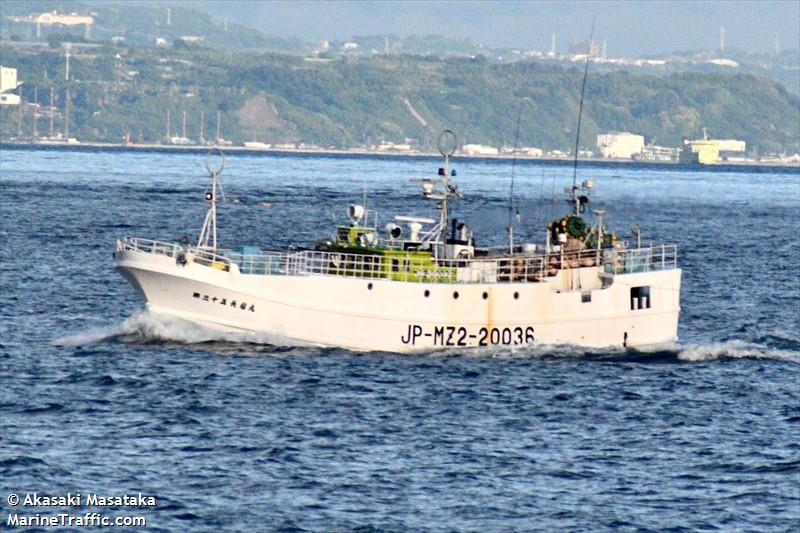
pixel 629 27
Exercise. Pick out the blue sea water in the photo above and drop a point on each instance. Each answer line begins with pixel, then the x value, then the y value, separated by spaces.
pixel 245 433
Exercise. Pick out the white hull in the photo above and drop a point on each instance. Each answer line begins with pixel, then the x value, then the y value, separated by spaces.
pixel 387 315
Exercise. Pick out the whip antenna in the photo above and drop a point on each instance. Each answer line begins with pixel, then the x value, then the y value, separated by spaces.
pixel 580 111
pixel 511 191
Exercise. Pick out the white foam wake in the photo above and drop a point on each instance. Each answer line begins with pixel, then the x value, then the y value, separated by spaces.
pixel 566 351
pixel 690 353
pixel 90 336
pixel 734 349
pixel 145 326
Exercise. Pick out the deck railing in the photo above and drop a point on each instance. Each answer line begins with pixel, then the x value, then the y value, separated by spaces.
pixel 533 267
pixel 655 257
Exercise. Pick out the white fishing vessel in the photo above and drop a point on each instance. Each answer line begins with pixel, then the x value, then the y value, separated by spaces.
pixel 420 283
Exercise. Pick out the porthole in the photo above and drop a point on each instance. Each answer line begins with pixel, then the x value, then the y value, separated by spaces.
pixel 455 295
pixel 369 286
pixel 427 293
pixel 485 295
pixel 516 296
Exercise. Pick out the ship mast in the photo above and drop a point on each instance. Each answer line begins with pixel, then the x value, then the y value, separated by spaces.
pixel 446 153
pixel 511 191
pixel 208 235
pixel 446 144
pixel 574 198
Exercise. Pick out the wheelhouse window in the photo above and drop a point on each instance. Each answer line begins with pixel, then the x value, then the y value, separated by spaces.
pixel 640 298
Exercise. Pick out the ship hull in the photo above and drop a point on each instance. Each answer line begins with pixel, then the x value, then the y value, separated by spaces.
pixel 386 315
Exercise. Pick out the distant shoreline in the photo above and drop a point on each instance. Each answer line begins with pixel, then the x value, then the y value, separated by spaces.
pixel 196 149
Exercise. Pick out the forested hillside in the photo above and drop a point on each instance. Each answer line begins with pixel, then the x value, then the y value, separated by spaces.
pixel 125 89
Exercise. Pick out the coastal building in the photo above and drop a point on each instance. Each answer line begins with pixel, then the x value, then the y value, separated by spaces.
pixel 732 150
pixel 479 149
pixel 9 99
pixel 386 146
pixel 585 48
pixel 707 151
pixel 663 154
pixel 619 145
pixel 9 83
pixel 702 151
pixel 529 151
pixel 723 62
pixel 731 145
pixel 180 140
pixel 54 18
pixel 257 145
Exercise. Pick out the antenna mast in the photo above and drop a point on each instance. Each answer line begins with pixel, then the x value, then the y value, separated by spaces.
pixel 511 191
pixel 580 116
pixel 209 231
pixel 52 109
pixel 446 152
